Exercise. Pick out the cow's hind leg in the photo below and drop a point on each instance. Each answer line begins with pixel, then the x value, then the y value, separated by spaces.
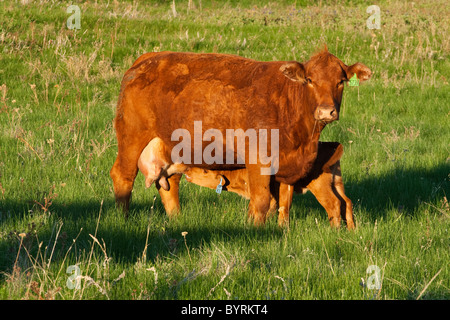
pixel 123 174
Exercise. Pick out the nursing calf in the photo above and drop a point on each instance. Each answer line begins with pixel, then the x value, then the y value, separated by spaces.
pixel 324 181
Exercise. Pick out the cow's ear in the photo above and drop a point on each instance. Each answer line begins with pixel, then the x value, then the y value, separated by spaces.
pixel 294 71
pixel 362 72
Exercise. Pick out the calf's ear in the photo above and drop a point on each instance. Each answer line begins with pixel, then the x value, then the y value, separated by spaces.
pixel 362 72
pixel 294 71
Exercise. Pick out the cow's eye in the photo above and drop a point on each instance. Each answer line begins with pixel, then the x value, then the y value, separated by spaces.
pixel 341 83
pixel 308 80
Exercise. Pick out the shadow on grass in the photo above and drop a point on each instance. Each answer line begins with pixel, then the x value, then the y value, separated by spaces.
pixel 124 239
pixel 402 189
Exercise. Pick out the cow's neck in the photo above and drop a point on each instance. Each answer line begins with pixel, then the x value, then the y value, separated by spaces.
pixel 298 123
pixel 301 136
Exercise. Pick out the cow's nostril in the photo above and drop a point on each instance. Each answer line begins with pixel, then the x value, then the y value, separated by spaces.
pixel 326 113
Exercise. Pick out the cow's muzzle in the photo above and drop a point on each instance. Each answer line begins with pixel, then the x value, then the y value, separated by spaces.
pixel 326 113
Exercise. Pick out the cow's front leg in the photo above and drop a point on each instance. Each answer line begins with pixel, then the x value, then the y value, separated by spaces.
pixel 285 202
pixel 259 187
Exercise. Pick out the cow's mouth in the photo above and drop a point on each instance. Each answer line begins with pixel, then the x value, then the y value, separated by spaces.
pixel 326 114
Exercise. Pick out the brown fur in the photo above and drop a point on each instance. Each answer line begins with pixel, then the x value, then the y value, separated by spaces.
pixel 166 91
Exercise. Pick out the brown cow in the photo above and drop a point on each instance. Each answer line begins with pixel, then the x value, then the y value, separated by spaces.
pixel 168 91
pixel 324 181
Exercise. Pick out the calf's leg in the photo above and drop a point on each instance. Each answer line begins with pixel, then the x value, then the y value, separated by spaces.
pixel 346 206
pixel 322 189
pixel 328 189
pixel 170 197
pixel 285 202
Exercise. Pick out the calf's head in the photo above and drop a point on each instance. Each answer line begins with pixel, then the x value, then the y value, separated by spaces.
pixel 323 78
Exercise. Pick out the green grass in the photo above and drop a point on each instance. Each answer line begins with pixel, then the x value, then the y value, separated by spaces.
pixel 57 145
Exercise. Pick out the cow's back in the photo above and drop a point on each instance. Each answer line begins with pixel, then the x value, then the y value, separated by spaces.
pixel 171 90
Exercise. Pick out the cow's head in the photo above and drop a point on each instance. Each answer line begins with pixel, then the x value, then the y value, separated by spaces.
pixel 323 78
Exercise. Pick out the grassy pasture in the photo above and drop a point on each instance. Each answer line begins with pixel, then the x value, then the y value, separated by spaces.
pixel 59 89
